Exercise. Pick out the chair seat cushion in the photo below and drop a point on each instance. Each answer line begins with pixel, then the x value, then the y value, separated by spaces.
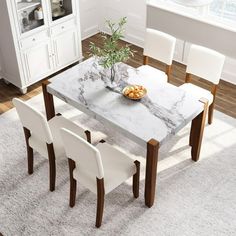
pixel 55 124
pixel 148 76
pixel 117 165
pixel 197 92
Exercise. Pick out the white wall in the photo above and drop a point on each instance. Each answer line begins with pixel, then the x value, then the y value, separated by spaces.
pixel 134 10
pixel 95 12
pixel 229 70
pixel 90 17
pixel 196 31
pixel 0 65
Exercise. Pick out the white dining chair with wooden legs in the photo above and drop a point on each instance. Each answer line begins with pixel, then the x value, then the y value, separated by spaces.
pixel 44 136
pixel 159 46
pixel 207 64
pixel 100 168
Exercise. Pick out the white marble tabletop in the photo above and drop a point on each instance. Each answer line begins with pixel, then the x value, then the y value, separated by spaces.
pixel 162 113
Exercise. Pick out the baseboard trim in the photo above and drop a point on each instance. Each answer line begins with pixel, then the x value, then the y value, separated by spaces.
pixel 90 34
pixel 229 77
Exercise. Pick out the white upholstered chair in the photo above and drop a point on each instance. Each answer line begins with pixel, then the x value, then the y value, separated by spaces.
pixel 100 168
pixel 207 64
pixel 44 136
pixel 159 46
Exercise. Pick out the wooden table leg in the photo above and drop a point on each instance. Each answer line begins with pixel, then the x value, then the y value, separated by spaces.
pixel 196 133
pixel 48 101
pixel 151 171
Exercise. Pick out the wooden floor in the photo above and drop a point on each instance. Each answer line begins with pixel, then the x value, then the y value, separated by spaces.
pixel 225 99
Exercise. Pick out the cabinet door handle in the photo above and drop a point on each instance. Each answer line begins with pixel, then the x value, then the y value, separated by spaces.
pixel 33 39
pixel 63 27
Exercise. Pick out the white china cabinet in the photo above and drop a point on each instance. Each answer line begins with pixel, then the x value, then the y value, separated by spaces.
pixel 37 38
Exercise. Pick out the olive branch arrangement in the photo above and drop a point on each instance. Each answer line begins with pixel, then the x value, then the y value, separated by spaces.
pixel 111 52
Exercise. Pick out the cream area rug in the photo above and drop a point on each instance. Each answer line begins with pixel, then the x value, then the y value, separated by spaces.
pixel 191 198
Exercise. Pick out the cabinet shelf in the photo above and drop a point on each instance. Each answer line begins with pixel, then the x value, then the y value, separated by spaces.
pixel 22 6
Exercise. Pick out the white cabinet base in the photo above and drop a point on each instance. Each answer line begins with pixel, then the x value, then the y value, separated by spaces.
pixel 23 91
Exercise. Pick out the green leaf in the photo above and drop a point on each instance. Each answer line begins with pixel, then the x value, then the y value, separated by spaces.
pixel 111 52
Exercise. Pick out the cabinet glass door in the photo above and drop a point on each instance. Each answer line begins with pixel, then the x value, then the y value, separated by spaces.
pixel 30 14
pixel 61 8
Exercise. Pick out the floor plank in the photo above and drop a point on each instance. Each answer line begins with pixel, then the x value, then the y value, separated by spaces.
pixel 225 98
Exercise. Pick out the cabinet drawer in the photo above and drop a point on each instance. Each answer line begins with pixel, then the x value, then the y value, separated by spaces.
pixel 34 39
pixel 58 29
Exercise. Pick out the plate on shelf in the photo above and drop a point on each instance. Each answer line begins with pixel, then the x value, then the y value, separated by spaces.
pixel 134 92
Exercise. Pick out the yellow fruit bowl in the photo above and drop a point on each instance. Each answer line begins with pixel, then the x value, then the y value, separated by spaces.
pixel 134 92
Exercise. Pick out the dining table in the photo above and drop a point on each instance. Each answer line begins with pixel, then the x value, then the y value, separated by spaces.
pixel 149 122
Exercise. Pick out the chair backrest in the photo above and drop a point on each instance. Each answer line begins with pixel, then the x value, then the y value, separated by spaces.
pixel 86 156
pixel 205 63
pixel 159 46
pixel 33 121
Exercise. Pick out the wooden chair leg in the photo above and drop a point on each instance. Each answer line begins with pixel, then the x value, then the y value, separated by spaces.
pixel 168 72
pixel 100 201
pixel 88 135
pixel 136 178
pixel 210 113
pixel 145 60
pixel 211 107
pixel 30 154
pixel 188 78
pixel 52 167
pixel 73 183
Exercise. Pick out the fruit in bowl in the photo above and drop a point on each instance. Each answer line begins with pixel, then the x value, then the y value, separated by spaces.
pixel 134 92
